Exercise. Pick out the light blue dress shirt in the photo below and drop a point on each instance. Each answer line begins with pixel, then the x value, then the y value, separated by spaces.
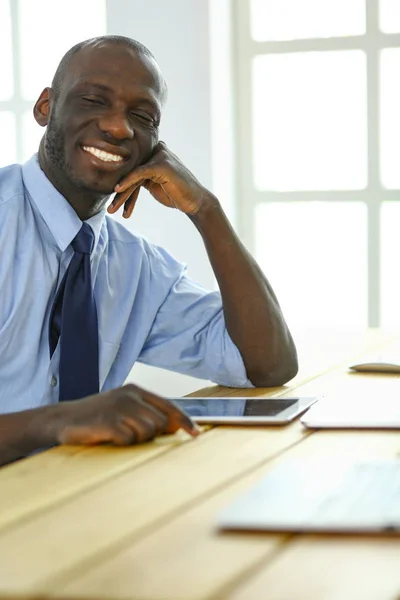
pixel 148 309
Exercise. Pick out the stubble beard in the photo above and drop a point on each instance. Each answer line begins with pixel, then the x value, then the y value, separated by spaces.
pixel 55 152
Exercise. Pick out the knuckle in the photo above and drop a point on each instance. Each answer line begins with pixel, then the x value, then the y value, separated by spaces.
pixel 131 391
pixel 164 420
pixel 129 387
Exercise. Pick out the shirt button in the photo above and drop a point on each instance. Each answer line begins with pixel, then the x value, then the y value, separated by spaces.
pixel 53 381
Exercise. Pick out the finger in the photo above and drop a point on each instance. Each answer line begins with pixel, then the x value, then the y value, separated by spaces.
pixel 120 199
pixel 124 435
pixel 176 422
pixel 158 192
pixel 131 203
pixel 144 429
pixel 177 418
pixel 137 176
pixel 144 410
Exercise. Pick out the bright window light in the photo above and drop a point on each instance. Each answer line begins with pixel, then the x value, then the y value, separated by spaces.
pixel 315 256
pixel 6 68
pixel 46 34
pixel 389 16
pixel 310 121
pixel 31 135
pixel 390 117
pixel 277 20
pixel 8 150
pixel 390 252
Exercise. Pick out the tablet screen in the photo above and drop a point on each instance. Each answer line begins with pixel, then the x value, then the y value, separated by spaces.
pixel 234 407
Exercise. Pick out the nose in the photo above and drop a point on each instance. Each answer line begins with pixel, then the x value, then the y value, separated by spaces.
pixel 116 125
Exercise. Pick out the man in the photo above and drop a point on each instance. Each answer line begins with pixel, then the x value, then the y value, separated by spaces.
pixel 73 317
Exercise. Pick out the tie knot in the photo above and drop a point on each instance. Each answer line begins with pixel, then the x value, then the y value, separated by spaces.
pixel 84 240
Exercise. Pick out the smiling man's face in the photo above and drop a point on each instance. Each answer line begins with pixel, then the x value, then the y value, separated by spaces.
pixel 104 120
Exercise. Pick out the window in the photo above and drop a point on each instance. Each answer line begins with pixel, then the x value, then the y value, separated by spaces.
pixel 32 42
pixel 318 138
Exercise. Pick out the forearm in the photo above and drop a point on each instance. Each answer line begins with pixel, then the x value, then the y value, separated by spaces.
pixel 253 317
pixel 24 432
pixel 252 314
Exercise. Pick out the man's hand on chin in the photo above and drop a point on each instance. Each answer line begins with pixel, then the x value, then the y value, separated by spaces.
pixel 168 181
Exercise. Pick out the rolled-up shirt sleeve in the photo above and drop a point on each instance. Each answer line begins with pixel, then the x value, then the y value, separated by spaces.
pixel 189 336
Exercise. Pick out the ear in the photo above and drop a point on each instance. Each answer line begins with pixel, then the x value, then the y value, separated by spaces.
pixel 41 110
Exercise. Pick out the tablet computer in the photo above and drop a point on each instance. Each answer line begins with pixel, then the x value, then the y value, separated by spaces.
pixel 244 411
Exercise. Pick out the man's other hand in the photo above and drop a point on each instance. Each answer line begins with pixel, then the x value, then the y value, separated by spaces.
pixel 123 416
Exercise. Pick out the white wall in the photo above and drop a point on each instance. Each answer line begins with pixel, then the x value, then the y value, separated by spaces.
pixel 177 32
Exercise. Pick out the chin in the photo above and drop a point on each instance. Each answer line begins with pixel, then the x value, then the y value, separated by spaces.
pixel 100 187
pixel 97 185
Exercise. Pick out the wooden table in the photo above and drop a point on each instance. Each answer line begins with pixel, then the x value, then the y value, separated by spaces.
pixel 139 523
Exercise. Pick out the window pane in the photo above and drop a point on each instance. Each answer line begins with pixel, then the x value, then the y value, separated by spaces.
pixel 315 256
pixel 389 16
pixel 31 135
pixel 46 34
pixel 298 19
pixel 8 151
pixel 390 117
pixel 390 253
pixel 6 69
pixel 310 121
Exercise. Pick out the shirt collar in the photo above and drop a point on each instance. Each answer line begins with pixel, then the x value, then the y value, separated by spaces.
pixel 58 214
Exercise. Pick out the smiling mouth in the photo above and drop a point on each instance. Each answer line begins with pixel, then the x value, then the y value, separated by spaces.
pixel 102 155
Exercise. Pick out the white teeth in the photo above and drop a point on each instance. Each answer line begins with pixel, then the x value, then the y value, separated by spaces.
pixel 106 156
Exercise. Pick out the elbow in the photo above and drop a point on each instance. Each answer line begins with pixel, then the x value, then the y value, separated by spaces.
pixel 275 373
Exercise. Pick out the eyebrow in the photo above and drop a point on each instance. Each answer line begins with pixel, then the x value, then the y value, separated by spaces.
pixel 106 88
pixel 100 86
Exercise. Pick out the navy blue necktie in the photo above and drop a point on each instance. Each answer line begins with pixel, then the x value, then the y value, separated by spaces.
pixel 74 320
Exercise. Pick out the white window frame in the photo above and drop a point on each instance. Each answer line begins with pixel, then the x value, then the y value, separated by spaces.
pixel 244 50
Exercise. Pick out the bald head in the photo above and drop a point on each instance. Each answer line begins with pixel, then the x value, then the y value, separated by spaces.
pixel 107 94
pixel 101 43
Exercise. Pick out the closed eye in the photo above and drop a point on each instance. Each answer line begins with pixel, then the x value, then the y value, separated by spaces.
pixel 93 100
pixel 145 118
